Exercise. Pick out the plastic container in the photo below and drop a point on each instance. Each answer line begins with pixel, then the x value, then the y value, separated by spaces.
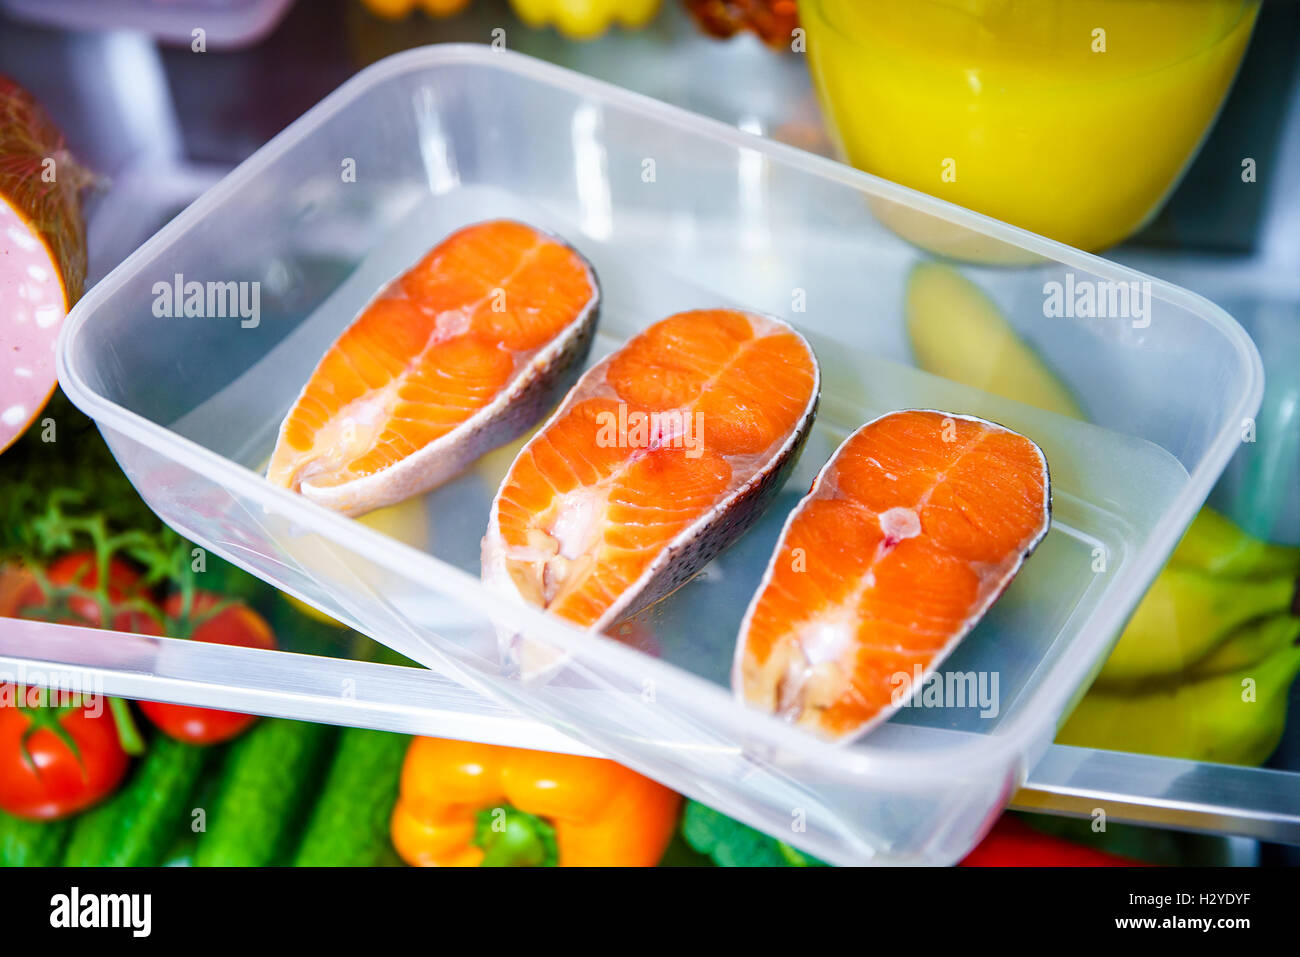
pixel 226 24
pixel 674 211
pixel 1028 110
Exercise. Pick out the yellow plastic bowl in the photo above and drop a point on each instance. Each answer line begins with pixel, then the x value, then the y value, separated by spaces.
pixel 1072 118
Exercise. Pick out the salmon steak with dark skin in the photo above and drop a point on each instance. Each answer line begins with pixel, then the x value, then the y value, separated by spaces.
pixel 660 457
pixel 463 352
pixel 911 531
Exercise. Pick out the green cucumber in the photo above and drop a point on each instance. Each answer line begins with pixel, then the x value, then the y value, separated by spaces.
pixel 136 826
pixel 180 852
pixel 266 785
pixel 349 826
pixel 26 843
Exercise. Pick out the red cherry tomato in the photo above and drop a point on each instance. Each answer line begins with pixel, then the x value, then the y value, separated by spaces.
pixel 81 569
pixel 235 625
pixel 56 761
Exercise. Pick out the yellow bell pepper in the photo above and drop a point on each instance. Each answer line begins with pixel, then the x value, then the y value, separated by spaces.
pixel 465 804
pixel 397 9
pixel 584 19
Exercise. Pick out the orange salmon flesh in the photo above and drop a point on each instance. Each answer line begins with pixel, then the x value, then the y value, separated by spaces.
pixel 654 463
pixel 442 348
pixel 909 534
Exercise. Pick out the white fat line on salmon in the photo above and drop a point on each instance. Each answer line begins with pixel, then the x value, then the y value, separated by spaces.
pixel 559 551
pixel 673 429
pixel 946 689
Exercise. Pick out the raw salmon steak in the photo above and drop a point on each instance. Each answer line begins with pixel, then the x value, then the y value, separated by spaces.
pixel 659 458
pixel 464 352
pixel 910 532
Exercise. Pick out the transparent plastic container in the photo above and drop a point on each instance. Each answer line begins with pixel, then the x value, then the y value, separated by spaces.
pixel 675 211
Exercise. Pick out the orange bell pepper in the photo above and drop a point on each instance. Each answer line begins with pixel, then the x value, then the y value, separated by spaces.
pixel 465 804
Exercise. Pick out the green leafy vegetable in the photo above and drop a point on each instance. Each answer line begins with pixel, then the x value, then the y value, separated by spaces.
pixel 61 491
pixel 732 844
pixel 56 466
